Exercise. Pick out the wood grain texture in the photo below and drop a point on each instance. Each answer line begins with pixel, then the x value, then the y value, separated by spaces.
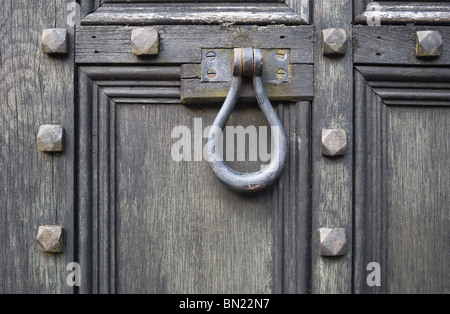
pixel 150 224
pixel 288 12
pixel 395 45
pixel 332 178
pixel 401 198
pixel 182 44
pixel 35 188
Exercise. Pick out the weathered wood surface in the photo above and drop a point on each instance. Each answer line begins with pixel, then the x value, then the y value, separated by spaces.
pixel 182 44
pixel 396 12
pixel 160 226
pixel 35 188
pixel 394 45
pixel 401 179
pixel 289 12
pixel 332 178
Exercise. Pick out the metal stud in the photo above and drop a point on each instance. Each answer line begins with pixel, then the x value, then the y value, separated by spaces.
pixel 145 41
pixel 334 142
pixel 50 138
pixel 50 239
pixel 55 41
pixel 334 42
pixel 429 44
pixel 333 241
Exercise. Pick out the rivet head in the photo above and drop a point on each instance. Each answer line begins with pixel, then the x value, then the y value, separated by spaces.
pixel 50 138
pixel 55 41
pixel 50 239
pixel 333 241
pixel 145 41
pixel 334 42
pixel 334 142
pixel 429 44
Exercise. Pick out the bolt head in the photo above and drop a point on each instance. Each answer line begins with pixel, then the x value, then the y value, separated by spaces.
pixel 50 239
pixel 429 44
pixel 55 41
pixel 50 138
pixel 334 42
pixel 334 142
pixel 333 241
pixel 145 41
pixel 281 74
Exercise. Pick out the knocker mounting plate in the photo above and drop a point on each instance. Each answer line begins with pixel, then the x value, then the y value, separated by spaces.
pixel 209 82
pixel 217 65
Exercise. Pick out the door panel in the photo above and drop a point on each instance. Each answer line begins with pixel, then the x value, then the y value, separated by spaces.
pixel 418 198
pixel 150 224
pixel 401 180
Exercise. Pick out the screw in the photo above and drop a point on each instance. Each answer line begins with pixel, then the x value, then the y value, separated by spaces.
pixel 145 41
pixel 50 239
pixel 334 142
pixel 281 74
pixel 333 242
pixel 211 56
pixel 212 73
pixel 281 54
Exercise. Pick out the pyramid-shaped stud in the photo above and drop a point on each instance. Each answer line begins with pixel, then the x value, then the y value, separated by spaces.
pixel 50 239
pixel 429 44
pixel 55 41
pixel 334 142
pixel 333 241
pixel 50 138
pixel 334 42
pixel 145 41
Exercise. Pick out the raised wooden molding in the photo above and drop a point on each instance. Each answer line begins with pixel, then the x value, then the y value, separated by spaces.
pixel 396 12
pixel 139 12
pixel 377 89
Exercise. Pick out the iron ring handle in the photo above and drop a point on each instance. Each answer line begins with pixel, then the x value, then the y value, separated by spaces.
pixel 247 61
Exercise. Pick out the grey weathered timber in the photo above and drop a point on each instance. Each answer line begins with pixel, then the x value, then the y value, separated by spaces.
pixel 35 188
pixel 163 226
pixel 395 45
pixel 332 178
pixel 182 43
pixel 396 12
pixel 288 12
pixel 401 178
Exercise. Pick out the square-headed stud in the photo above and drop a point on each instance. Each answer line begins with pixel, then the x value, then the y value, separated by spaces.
pixel 429 44
pixel 50 138
pixel 334 142
pixel 50 239
pixel 334 42
pixel 145 41
pixel 55 41
pixel 333 242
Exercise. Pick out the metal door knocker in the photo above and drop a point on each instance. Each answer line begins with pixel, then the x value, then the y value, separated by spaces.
pixel 247 62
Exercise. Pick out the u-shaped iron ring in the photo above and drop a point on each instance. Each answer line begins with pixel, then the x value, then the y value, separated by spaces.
pixel 247 62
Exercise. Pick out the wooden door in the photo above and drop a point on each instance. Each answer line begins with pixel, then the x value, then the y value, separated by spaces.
pixel 137 220
pixel 150 223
